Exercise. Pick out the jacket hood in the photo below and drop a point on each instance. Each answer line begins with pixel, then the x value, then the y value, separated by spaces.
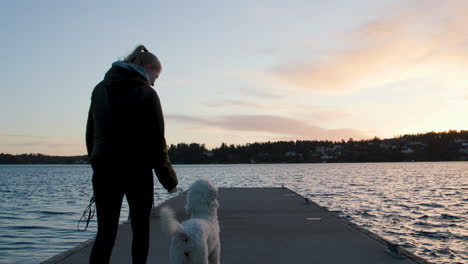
pixel 123 74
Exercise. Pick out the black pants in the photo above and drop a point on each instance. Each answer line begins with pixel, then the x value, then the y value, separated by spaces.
pixel 110 185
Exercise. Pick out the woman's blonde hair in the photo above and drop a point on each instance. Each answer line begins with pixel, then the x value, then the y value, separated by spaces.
pixel 141 56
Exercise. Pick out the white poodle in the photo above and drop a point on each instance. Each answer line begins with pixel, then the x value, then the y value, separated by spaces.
pixel 195 240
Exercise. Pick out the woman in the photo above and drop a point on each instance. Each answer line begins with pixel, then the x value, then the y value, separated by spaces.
pixel 125 142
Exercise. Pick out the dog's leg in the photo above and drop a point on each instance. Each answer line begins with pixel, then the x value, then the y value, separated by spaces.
pixel 200 254
pixel 214 257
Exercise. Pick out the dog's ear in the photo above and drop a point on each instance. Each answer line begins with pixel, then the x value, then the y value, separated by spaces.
pixel 215 204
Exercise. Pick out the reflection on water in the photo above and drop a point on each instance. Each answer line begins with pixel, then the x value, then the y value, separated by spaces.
pixel 422 206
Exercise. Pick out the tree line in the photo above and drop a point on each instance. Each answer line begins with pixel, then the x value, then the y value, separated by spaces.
pixel 442 146
pixel 37 158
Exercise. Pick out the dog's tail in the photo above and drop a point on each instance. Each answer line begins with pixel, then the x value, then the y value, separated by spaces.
pixel 169 224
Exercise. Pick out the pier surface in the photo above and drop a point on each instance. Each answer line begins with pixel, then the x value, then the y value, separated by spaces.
pixel 263 225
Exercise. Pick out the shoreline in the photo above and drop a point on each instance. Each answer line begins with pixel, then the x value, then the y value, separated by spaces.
pixel 258 163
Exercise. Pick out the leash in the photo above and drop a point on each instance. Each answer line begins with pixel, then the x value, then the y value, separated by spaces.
pixel 90 211
pixel 88 214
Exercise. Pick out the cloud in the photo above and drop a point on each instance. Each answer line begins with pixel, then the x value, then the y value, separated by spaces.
pixel 462 100
pixel 24 144
pixel 322 114
pixel 309 112
pixel 413 35
pixel 22 136
pixel 260 92
pixel 33 143
pixel 21 140
pixel 58 145
pixel 47 144
pixel 236 104
pixel 281 126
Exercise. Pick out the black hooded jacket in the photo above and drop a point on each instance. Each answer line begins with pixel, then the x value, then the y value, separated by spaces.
pixel 125 127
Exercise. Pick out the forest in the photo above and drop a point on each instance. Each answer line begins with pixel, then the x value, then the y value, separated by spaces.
pixel 433 146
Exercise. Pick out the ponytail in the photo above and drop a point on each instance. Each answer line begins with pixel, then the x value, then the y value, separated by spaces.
pixel 142 57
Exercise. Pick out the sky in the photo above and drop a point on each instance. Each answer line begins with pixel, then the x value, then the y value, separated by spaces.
pixel 238 71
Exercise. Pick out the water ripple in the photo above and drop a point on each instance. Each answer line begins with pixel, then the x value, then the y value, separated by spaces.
pixel 421 206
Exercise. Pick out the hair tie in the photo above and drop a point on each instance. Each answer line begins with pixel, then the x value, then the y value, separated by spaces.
pixel 145 50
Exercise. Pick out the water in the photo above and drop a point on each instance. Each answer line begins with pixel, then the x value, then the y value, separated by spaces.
pixel 422 206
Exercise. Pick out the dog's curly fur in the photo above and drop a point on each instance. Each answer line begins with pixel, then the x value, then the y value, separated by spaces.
pixel 195 240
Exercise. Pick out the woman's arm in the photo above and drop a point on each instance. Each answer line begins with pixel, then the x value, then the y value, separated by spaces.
pixel 162 166
pixel 90 132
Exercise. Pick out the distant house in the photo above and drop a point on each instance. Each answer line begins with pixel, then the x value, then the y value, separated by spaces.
pixel 460 140
pixel 384 146
pixel 463 150
pixel 208 153
pixel 326 157
pixel 416 143
pixel 407 151
pixel 320 149
pixel 335 147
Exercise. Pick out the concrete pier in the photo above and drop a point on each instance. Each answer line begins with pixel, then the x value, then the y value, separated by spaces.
pixel 264 225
